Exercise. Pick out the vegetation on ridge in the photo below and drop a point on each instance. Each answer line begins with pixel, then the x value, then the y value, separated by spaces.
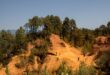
pixel 38 30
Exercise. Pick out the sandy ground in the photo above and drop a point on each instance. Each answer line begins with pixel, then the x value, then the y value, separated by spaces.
pixel 71 56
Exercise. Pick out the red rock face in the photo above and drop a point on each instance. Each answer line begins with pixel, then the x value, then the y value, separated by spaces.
pixel 101 43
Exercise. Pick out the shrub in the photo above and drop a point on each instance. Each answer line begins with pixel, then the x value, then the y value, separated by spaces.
pixel 28 72
pixel 87 48
pixel 7 71
pixel 42 72
pixel 85 70
pixel 41 52
pixel 31 59
pixel 103 62
pixel 22 63
pixel 41 49
pixel 63 70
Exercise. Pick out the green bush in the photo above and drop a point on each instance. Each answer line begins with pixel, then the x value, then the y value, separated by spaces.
pixel 7 71
pixel 42 72
pixel 28 72
pixel 87 48
pixel 31 59
pixel 41 52
pixel 63 70
pixel 22 63
pixel 85 70
pixel 103 62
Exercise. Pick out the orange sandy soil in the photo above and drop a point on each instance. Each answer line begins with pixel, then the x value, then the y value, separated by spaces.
pixel 71 56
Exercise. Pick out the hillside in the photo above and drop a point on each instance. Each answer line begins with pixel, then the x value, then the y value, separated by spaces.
pixel 60 52
pixel 102 43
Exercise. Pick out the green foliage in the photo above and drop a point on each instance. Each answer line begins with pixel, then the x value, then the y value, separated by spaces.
pixel 31 59
pixel 28 72
pixel 87 48
pixel 103 62
pixel 6 40
pixel 6 46
pixel 11 45
pixel 42 72
pixel 78 38
pixel 40 51
pixel 82 37
pixel 85 70
pixel 103 30
pixel 41 47
pixel 65 28
pixel 23 62
pixel 53 23
pixel 48 26
pixel 34 23
pixel 45 71
pixel 20 35
pixel 63 70
pixel 68 31
pixel 20 38
pixel 7 71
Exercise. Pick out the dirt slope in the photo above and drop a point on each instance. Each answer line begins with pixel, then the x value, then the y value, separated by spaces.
pixel 62 51
pixel 71 56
